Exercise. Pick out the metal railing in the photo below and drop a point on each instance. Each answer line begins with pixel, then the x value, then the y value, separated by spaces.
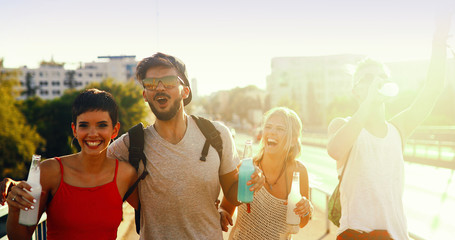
pixel 40 231
pixel 326 220
pixel 431 152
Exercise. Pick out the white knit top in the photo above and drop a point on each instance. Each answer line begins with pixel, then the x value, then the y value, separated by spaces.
pixel 266 221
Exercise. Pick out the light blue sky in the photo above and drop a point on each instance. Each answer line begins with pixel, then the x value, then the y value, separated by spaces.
pixel 224 43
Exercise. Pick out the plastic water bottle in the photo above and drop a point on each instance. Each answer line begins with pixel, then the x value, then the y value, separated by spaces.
pixel 293 198
pixel 389 89
pixel 30 217
pixel 244 194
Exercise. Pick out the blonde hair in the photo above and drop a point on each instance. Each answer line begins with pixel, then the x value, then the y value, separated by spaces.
pixel 293 132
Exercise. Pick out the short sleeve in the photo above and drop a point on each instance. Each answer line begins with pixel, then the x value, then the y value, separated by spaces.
pixel 230 157
pixel 119 148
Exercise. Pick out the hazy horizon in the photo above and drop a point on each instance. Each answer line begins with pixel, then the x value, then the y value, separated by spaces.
pixel 223 44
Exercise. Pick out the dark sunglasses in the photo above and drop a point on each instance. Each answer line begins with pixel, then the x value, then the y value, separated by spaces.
pixel 168 82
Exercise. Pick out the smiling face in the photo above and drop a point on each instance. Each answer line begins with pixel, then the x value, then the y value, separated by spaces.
pixel 94 131
pixel 274 135
pixel 164 101
pixel 281 129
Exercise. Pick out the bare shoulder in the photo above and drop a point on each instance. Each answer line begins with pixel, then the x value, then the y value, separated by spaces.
pixel 301 168
pixel 336 124
pixel 50 174
pixel 50 166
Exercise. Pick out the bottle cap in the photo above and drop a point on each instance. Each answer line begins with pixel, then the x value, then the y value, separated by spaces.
pixel 389 89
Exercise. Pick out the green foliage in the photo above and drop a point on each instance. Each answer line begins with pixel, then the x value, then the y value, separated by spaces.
pixel 341 106
pixel 241 103
pixel 313 107
pixel 18 140
pixel 52 118
pixel 132 108
pixel 30 90
pixel 70 80
pixel 291 103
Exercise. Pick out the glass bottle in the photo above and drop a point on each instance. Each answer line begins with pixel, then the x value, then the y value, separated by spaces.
pixel 244 194
pixel 30 217
pixel 293 198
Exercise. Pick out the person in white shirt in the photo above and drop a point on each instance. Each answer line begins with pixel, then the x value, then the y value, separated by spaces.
pixel 372 146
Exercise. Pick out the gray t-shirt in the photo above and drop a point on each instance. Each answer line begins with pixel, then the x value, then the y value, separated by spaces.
pixel 178 197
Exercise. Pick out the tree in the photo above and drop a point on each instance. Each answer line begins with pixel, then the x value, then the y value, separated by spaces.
pixel 341 106
pixel 30 88
pixel 52 119
pixel 313 107
pixel 18 140
pixel 241 103
pixel 70 80
pixel 132 108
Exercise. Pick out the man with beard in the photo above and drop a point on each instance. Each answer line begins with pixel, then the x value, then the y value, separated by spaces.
pixel 179 194
pixel 178 197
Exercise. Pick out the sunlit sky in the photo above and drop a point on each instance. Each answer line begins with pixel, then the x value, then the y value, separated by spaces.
pixel 223 43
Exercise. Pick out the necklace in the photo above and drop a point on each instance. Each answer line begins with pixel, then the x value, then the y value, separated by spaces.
pixel 276 180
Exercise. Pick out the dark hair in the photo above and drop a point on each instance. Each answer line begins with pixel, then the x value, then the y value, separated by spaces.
pixel 164 60
pixel 95 100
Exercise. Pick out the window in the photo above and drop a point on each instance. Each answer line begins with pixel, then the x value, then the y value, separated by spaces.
pixel 44 92
pixel 79 74
pixel 90 74
pixel 55 83
pixel 43 83
pixel 55 92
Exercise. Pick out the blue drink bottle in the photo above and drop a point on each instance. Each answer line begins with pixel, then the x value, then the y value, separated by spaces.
pixel 244 195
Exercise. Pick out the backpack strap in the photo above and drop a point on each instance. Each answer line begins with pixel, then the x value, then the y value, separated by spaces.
pixel 212 136
pixel 136 154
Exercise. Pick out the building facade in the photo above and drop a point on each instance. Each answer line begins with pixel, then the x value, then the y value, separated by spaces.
pixel 310 83
pixel 51 79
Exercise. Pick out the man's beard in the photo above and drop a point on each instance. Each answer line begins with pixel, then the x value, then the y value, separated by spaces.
pixel 165 116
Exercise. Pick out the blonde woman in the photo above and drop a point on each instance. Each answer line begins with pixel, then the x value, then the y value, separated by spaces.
pixel 280 146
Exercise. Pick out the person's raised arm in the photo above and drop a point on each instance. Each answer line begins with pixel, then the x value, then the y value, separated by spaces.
pixel 342 133
pixel 422 106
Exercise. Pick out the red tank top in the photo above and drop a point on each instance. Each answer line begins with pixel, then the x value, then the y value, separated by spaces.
pixel 84 213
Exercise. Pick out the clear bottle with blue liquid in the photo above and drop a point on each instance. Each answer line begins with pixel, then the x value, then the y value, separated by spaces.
pixel 244 195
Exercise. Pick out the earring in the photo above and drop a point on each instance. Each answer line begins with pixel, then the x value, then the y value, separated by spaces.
pixel 72 140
